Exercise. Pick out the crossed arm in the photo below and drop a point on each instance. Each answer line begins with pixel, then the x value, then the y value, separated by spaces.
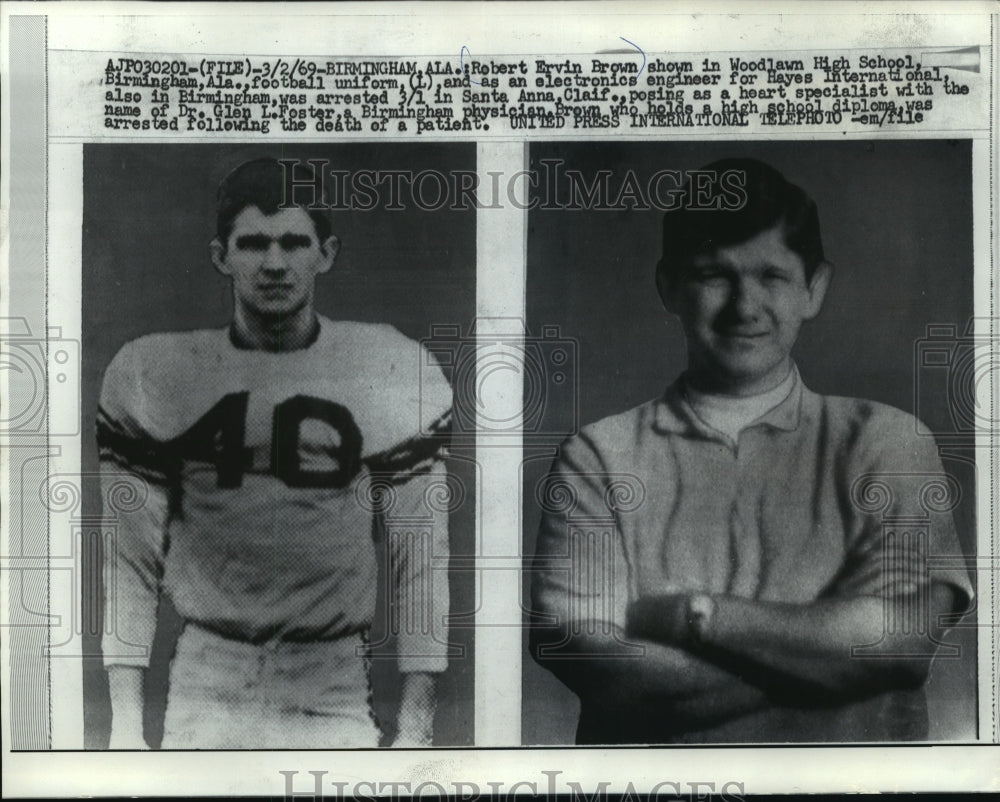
pixel 805 649
pixel 609 671
pixel 747 654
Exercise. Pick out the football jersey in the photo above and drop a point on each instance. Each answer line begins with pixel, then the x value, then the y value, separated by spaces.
pixel 264 472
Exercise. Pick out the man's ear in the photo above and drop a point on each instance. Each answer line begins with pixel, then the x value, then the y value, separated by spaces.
pixel 218 253
pixel 818 285
pixel 666 288
pixel 330 247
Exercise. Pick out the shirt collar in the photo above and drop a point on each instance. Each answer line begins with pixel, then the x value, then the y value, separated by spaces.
pixel 241 345
pixel 674 413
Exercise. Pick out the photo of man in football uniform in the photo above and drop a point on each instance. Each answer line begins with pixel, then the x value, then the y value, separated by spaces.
pixel 266 448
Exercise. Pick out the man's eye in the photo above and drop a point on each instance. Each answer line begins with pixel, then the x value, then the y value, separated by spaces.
pixel 709 276
pixel 290 242
pixel 253 243
pixel 775 276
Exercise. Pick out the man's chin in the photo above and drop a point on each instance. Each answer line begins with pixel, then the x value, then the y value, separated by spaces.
pixel 278 308
pixel 741 366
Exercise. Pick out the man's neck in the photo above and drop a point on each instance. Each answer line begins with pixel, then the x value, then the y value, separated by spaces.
pixel 708 382
pixel 274 332
pixel 731 414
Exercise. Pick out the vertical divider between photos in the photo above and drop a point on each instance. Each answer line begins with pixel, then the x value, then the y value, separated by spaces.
pixel 501 250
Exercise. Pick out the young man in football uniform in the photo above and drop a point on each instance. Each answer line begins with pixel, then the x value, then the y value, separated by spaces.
pixel 267 447
pixel 748 590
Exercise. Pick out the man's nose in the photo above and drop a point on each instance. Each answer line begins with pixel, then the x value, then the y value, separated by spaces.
pixel 744 299
pixel 274 257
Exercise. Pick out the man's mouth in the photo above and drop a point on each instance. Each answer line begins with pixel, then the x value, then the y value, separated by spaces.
pixel 744 335
pixel 275 286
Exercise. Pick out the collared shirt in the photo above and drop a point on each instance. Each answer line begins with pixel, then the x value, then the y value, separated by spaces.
pixel 731 414
pixel 820 497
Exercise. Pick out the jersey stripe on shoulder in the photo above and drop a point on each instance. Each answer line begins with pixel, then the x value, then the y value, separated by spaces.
pixel 153 461
pixel 416 455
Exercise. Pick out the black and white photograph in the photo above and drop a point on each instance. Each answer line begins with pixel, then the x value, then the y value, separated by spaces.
pixel 511 399
pixel 272 439
pixel 745 534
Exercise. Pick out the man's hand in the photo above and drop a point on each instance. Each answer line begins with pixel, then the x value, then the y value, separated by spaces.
pixel 125 685
pixel 415 724
pixel 126 735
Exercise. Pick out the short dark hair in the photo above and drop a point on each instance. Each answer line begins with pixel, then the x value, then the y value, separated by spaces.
pixel 769 200
pixel 261 183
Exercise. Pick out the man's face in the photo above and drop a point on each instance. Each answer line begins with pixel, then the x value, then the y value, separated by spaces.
pixel 741 307
pixel 273 260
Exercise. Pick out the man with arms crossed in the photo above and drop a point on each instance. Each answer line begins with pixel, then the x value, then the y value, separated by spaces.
pixel 266 447
pixel 724 607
